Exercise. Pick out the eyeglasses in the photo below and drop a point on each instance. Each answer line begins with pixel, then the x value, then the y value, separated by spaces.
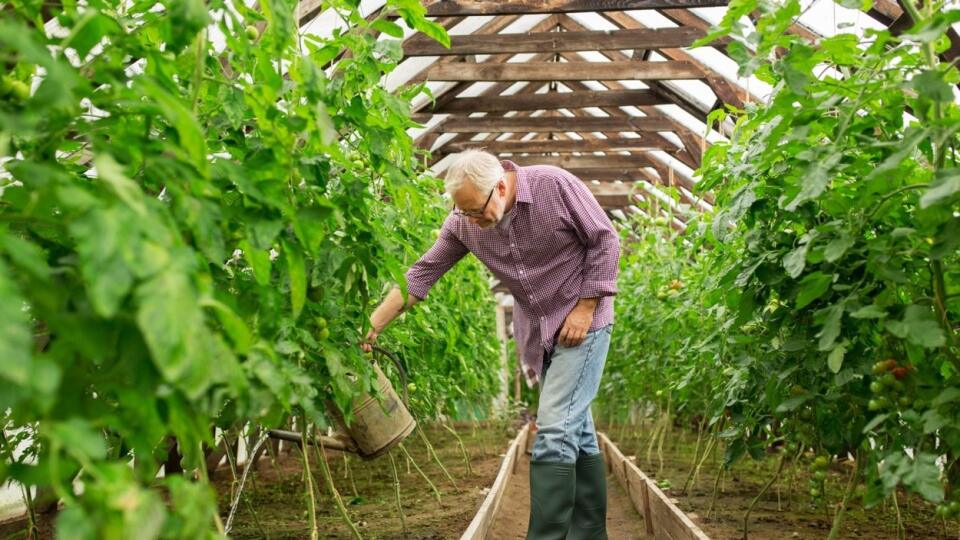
pixel 479 213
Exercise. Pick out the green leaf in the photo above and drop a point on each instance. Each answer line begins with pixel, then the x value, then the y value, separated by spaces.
pixel 181 118
pixel 933 28
pixel 79 439
pixel 871 311
pixel 812 287
pixel 943 189
pixel 125 189
pixel 930 85
pixel 795 261
pixel 918 326
pixel 815 179
pixel 831 328
pixel 947 396
pixel 172 325
pixel 297 272
pixel 792 403
pixel 259 261
pixel 104 244
pixel 835 358
pixel 233 325
pixel 15 336
pixel 876 421
pixel 26 255
pixel 89 31
pixel 837 247
pixel 388 27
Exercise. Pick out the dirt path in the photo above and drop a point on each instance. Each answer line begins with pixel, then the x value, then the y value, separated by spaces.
pixel 623 522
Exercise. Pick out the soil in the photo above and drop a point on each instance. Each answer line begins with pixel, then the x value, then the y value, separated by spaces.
pixel 623 521
pixel 786 511
pixel 278 495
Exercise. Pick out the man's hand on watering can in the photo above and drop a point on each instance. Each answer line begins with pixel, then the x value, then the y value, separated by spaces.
pixel 367 344
pixel 392 306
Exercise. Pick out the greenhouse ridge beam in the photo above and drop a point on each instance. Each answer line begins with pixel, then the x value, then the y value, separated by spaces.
pixel 553 100
pixel 650 38
pixel 563 146
pixel 540 124
pixel 489 7
pixel 566 71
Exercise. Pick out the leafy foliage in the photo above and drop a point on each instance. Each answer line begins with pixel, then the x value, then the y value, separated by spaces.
pixel 195 212
pixel 833 249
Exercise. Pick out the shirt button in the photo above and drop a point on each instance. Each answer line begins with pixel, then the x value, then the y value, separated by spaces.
pixel 531 296
pixel 512 244
pixel 521 272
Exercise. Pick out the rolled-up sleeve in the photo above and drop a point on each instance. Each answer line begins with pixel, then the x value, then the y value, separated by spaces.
pixel 597 234
pixel 446 251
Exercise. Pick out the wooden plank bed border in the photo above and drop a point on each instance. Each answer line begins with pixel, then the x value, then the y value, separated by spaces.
pixel 662 517
pixel 483 520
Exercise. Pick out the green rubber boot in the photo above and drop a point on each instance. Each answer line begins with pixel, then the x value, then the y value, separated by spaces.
pixel 552 489
pixel 589 520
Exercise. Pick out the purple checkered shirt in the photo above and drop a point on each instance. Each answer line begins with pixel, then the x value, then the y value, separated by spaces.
pixel 559 247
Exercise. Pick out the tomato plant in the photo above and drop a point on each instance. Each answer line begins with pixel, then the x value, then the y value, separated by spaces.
pixel 190 232
pixel 819 303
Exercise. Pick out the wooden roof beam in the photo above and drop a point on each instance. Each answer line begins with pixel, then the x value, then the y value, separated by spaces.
pixel 560 124
pixel 565 71
pixel 562 146
pixel 554 100
pixel 523 7
pixel 538 42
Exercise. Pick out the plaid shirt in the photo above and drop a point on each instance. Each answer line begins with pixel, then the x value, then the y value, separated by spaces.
pixel 559 247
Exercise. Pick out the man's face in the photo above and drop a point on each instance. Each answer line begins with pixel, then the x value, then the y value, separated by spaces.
pixel 482 208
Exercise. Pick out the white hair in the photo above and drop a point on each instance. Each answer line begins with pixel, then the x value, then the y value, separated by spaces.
pixel 481 168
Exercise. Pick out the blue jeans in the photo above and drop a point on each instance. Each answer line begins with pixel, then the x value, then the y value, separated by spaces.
pixel 568 385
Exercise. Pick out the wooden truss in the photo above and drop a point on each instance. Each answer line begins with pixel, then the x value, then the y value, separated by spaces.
pixel 548 100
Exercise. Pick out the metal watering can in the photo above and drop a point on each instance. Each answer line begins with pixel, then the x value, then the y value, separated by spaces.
pixel 376 427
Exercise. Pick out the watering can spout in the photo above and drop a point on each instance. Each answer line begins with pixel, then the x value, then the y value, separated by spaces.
pixel 377 424
pixel 340 441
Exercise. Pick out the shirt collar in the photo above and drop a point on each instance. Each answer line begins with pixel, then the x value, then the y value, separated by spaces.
pixel 523 188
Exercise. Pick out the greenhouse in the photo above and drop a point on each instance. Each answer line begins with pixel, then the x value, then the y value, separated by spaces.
pixel 431 269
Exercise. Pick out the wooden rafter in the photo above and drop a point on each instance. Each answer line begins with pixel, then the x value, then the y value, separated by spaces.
pixel 569 71
pixel 537 42
pixel 561 124
pixel 564 146
pixel 557 100
pixel 490 7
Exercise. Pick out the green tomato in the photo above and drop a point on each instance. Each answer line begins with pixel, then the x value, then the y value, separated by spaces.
pixel 820 476
pixel 321 322
pixel 955 508
pixel 943 510
pixel 20 90
pixel 876 387
pixel 661 221
pixel 411 387
pixel 888 380
pixel 821 462
pixel 897 386
pixel 814 492
pixel 905 401
pixel 323 334
pixel 874 405
pixel 252 32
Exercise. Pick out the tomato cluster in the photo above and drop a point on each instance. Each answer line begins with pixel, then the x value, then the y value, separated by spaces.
pixel 818 471
pixel 890 387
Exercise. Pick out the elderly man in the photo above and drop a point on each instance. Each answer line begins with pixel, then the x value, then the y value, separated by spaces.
pixel 542 233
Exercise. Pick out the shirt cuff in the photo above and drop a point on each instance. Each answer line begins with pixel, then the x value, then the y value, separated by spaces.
pixel 596 289
pixel 418 289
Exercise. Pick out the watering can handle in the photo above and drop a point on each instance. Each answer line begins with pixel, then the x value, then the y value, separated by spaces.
pixel 400 369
